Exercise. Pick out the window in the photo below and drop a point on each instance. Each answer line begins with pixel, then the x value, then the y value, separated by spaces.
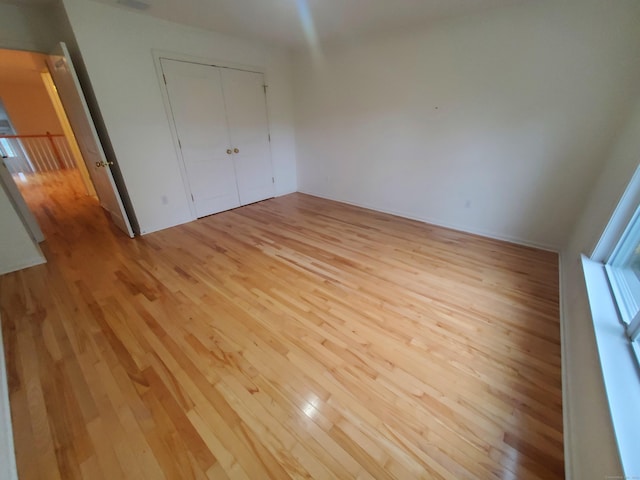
pixel 623 271
pixel 612 278
pixel 6 149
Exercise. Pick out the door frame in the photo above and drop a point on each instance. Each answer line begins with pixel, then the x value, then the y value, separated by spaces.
pixel 158 55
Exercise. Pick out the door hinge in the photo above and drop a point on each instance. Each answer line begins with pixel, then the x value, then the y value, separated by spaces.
pixel 192 199
pixel 265 89
pixel 179 144
pixel 273 180
pixel 269 135
pixel 164 78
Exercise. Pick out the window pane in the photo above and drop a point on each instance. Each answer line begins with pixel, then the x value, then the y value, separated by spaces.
pixel 5 147
pixel 624 271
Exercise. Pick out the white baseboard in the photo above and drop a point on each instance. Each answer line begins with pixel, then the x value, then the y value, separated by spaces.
pixel 566 390
pixel 8 470
pixel 285 192
pixel 440 223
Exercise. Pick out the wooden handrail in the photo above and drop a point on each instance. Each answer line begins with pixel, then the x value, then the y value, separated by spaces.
pixel 46 135
pixel 49 136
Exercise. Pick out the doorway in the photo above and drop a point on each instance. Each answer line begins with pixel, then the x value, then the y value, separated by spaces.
pixel 47 139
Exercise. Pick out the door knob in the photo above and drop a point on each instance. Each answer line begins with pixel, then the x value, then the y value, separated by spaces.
pixel 228 151
pixel 235 150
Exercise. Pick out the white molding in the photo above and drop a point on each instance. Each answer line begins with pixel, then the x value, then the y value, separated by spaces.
pixel 618 220
pixel 566 384
pixel 8 469
pixel 440 223
pixel 184 57
pixel 287 192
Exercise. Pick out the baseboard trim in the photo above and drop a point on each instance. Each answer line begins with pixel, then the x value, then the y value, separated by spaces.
pixel 566 389
pixel 439 223
pixel 8 469
pixel 283 193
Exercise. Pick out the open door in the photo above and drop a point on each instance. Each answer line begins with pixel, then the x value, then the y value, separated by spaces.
pixel 66 81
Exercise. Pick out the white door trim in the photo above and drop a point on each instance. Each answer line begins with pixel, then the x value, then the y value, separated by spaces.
pixel 8 469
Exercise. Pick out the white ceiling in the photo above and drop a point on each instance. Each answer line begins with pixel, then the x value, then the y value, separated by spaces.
pixel 279 22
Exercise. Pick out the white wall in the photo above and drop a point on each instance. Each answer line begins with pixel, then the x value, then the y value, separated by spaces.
pixel 589 434
pixel 30 108
pixel 17 249
pixel 26 27
pixel 494 123
pixel 116 46
pixel 23 28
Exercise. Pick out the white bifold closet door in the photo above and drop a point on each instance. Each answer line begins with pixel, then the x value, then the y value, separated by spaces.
pixel 221 121
pixel 249 132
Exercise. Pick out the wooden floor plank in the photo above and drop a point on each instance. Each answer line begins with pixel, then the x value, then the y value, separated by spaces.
pixel 292 338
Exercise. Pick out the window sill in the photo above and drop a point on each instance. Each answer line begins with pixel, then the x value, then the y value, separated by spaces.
pixel 619 367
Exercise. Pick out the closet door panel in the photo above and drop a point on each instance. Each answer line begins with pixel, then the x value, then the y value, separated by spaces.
pixel 248 129
pixel 198 109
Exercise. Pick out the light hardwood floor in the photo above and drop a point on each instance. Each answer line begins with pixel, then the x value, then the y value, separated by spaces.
pixel 293 338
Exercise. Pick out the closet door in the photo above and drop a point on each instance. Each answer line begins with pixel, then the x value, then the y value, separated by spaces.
pixel 248 128
pixel 198 109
